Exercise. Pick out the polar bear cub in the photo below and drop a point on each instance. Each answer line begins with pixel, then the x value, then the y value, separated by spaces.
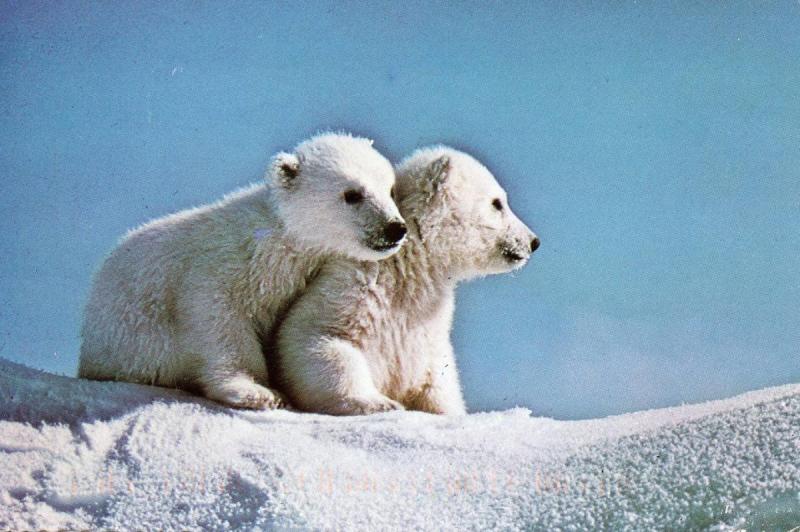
pixel 375 336
pixel 187 300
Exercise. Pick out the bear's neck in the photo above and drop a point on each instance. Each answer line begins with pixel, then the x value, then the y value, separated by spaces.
pixel 416 274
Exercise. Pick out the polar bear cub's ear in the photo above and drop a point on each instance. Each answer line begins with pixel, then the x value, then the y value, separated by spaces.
pixel 285 168
pixel 437 171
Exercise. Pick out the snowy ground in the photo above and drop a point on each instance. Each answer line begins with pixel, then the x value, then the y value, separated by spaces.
pixel 80 454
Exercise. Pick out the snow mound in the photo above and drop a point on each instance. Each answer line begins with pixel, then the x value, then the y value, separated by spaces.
pixel 78 454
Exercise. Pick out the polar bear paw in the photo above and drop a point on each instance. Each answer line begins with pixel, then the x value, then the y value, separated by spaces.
pixel 244 393
pixel 360 406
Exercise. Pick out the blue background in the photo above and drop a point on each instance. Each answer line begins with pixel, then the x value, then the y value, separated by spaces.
pixel 654 148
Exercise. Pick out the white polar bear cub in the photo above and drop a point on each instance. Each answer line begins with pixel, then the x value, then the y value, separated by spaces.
pixel 187 300
pixel 373 336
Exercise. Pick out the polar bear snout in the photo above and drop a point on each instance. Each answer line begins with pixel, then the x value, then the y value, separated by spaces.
pixel 516 251
pixel 389 236
pixel 513 253
pixel 518 243
pixel 394 231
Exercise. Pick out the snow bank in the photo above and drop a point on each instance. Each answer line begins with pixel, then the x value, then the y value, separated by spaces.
pixel 80 454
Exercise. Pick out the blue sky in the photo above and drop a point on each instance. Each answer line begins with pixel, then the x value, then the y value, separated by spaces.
pixel 654 148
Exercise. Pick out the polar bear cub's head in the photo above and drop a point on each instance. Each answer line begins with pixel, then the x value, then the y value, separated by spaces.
pixel 461 213
pixel 334 193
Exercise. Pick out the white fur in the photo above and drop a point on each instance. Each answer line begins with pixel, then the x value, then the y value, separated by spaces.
pixel 373 336
pixel 187 300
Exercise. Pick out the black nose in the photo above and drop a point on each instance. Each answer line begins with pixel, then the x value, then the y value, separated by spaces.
pixel 535 244
pixel 394 231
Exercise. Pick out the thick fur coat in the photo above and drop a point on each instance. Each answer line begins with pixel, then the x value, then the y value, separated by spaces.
pixel 373 336
pixel 185 300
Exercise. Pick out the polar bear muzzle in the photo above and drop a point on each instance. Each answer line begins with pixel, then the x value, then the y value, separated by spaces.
pixel 388 237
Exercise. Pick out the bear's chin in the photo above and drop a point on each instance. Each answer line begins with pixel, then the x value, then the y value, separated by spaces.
pixel 364 252
pixel 503 264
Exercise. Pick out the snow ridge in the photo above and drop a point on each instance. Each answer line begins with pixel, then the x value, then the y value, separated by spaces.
pixel 78 454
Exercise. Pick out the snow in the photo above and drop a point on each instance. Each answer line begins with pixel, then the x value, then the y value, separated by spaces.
pixel 78 454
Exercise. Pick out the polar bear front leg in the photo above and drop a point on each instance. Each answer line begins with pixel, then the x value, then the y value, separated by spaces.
pixel 226 357
pixel 241 391
pixel 330 376
pixel 441 394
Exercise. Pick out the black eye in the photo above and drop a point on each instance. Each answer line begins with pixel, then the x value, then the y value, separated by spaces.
pixel 497 204
pixel 351 197
pixel 392 193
